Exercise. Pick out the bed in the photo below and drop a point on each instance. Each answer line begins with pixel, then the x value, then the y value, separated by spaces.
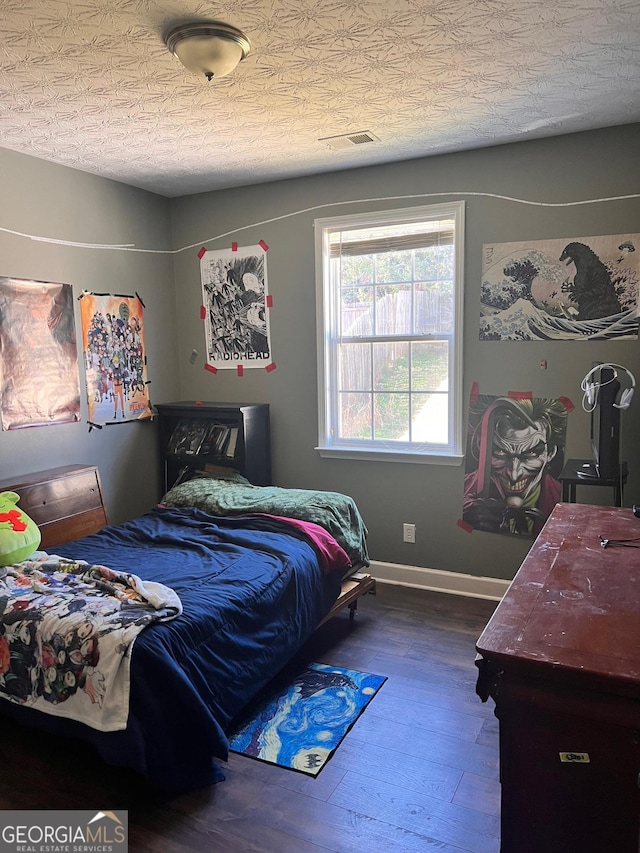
pixel 255 573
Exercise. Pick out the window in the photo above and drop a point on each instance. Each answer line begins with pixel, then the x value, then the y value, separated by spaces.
pixel 389 291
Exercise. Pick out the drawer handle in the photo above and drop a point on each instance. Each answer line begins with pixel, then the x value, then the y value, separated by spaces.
pixel 576 758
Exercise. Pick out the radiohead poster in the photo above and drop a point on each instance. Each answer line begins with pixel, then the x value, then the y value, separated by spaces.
pixel 39 382
pixel 576 289
pixel 235 308
pixel 115 358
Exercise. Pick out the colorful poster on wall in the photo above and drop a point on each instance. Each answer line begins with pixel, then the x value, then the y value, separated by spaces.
pixel 585 288
pixel 115 358
pixel 515 452
pixel 236 308
pixel 39 382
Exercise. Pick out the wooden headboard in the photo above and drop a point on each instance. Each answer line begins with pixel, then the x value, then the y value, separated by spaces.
pixel 66 503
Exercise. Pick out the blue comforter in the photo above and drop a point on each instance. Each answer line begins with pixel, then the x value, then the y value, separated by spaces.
pixel 252 591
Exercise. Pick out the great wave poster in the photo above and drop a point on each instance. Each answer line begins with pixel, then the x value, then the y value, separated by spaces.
pixel 583 288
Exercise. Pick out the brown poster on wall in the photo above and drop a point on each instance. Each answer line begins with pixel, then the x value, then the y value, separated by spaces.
pixel 39 382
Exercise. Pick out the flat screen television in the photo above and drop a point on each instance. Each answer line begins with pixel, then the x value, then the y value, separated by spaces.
pixel 605 426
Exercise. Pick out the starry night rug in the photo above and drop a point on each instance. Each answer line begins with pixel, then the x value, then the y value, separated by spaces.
pixel 299 720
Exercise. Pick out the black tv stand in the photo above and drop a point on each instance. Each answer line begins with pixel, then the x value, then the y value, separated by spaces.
pixel 583 472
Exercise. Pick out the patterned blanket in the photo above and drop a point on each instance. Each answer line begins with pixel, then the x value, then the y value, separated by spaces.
pixel 66 635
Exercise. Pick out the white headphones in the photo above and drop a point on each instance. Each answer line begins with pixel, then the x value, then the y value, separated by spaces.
pixel 590 387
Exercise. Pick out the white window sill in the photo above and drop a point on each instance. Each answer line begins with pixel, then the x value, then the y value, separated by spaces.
pixel 390 456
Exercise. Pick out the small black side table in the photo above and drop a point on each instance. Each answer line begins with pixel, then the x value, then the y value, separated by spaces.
pixel 581 472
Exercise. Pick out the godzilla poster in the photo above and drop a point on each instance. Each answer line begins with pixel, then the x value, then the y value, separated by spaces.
pixel 584 288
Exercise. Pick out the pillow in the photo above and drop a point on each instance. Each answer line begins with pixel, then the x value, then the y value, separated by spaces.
pixel 19 534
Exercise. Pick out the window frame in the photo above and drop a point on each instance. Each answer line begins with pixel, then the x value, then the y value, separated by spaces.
pixel 328 321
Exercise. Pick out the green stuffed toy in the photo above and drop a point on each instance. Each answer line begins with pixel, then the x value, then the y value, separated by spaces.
pixel 19 535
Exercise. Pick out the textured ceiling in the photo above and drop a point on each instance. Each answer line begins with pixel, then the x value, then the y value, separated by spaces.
pixel 90 84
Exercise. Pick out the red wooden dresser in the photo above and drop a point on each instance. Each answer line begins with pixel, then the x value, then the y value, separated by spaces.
pixel 561 659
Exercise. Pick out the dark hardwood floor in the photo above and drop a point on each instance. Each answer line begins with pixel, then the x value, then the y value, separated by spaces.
pixel 417 772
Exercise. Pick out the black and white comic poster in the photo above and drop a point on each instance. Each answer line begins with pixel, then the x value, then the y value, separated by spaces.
pixel 236 308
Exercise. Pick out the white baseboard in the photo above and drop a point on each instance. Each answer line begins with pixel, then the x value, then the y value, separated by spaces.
pixel 438 580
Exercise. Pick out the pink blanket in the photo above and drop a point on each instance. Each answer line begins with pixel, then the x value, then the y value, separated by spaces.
pixel 332 555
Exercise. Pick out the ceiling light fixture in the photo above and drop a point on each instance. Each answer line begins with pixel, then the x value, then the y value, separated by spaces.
pixel 211 49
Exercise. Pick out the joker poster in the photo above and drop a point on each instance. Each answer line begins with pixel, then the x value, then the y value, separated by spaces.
pixel 515 452
pixel 115 358
pixel 39 382
pixel 236 308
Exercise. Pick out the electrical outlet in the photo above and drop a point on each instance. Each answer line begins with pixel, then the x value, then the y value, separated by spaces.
pixel 408 532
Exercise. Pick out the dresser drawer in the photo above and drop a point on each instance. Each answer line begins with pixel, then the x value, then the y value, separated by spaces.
pixel 66 503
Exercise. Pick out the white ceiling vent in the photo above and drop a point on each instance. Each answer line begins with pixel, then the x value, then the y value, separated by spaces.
pixel 347 140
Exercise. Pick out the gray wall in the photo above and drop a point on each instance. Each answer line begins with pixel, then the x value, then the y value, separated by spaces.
pixel 47 200
pixel 577 167
pixel 44 199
